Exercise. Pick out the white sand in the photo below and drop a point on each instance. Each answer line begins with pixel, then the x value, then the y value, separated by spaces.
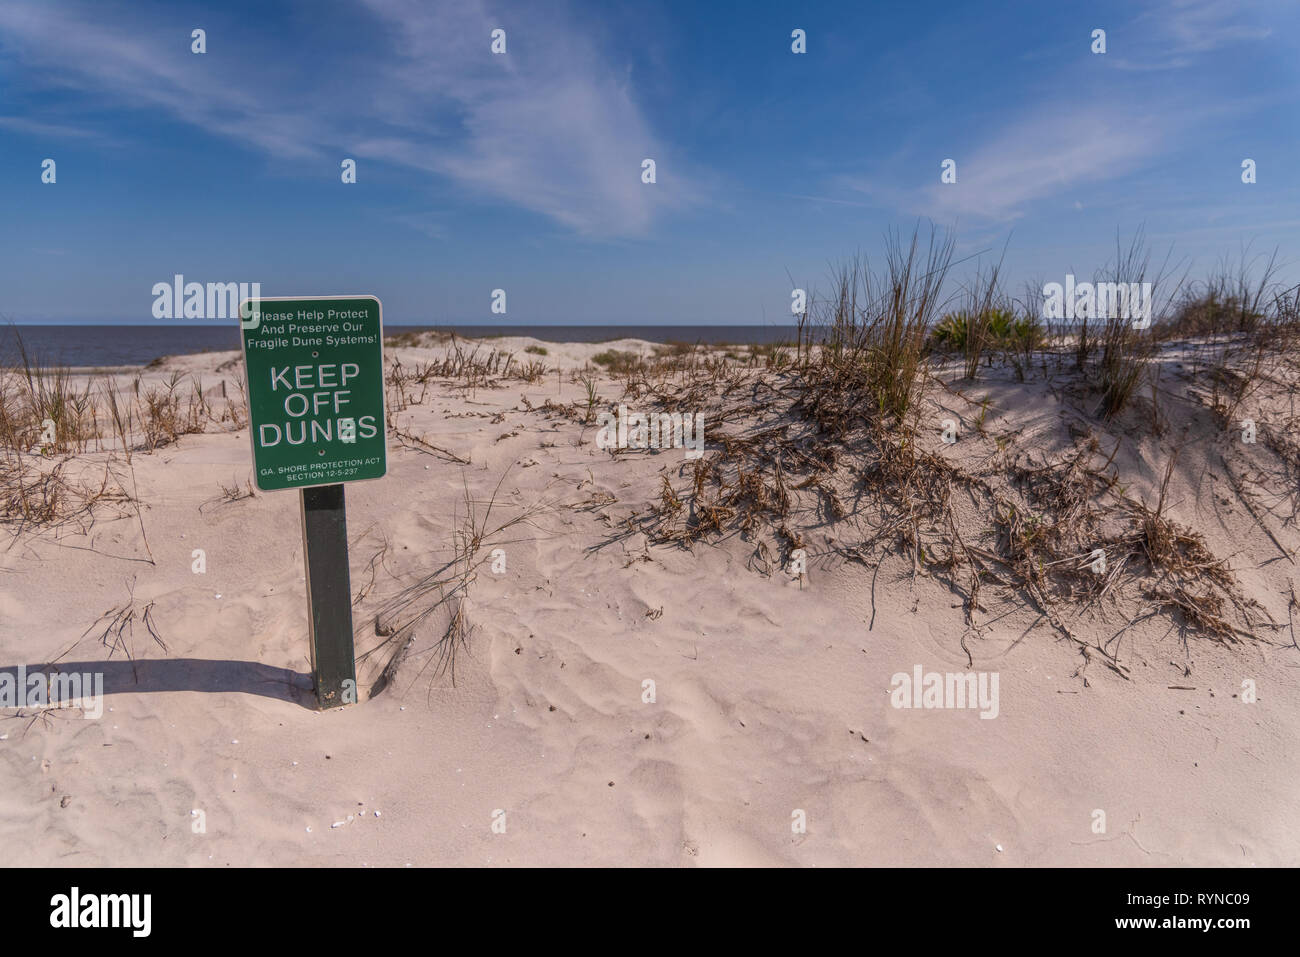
pixel 772 695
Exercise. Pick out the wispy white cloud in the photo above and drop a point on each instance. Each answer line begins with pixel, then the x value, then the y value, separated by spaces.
pixel 1176 34
pixel 147 66
pixel 51 130
pixel 551 126
pixel 426 223
pixel 1054 151
pixel 1072 154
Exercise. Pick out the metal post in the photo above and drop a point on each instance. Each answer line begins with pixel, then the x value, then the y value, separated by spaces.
pixel 329 595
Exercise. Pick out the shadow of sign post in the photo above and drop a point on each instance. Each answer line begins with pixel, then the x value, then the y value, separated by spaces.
pixel 315 376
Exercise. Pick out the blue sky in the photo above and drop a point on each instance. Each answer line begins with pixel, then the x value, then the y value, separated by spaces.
pixel 523 171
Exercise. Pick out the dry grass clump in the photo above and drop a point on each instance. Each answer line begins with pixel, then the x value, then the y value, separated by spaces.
pixel 115 628
pixel 462 366
pixel 44 418
pixel 41 407
pixel 37 493
pixel 165 415
pixel 416 338
pixel 1128 341
pixel 440 595
pixel 833 439
pixel 616 361
pixel 49 415
pixel 984 302
pixel 44 410
pixel 1236 298
pixel 1244 332
pixel 1033 527
pixel 873 331
pixel 1243 369
pixel 1125 354
pixel 675 348
pixel 532 371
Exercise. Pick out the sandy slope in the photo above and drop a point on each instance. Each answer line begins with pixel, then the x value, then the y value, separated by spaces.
pixel 772 695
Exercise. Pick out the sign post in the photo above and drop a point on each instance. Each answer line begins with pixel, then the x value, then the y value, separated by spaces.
pixel 315 368
pixel 329 595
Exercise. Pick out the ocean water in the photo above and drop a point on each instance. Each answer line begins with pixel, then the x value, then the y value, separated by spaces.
pixel 105 344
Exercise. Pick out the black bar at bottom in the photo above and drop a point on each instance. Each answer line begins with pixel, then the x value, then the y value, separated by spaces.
pixel 1246 906
pixel 329 595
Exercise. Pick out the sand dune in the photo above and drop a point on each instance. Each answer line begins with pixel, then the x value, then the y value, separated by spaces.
pixel 771 690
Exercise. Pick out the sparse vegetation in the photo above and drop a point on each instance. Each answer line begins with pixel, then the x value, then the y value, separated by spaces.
pixel 835 438
pixel 617 362
pixel 839 431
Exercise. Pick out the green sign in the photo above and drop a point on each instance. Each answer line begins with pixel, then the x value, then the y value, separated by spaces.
pixel 315 369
